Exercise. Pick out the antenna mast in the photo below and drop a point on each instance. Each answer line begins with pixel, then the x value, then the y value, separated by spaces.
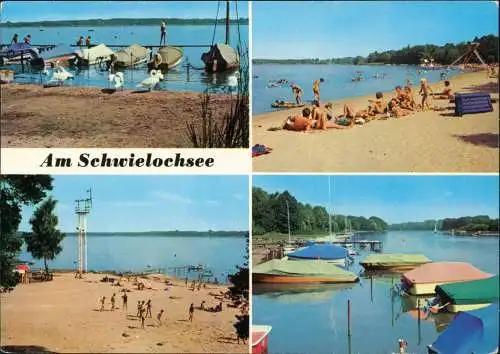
pixel 82 209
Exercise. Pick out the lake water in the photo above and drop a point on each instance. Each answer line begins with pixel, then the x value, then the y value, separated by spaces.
pixel 135 252
pixel 315 321
pixel 338 81
pixel 176 79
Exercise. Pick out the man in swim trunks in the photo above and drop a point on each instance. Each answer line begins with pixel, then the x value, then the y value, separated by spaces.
pixel 297 90
pixel 27 39
pixel 446 94
pixel 316 89
pixel 298 123
pixel 377 106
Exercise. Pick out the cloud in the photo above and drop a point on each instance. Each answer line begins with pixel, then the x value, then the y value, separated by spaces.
pixel 171 197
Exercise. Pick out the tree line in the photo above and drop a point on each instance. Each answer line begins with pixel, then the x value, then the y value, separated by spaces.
pixel 465 223
pixel 409 55
pixel 270 214
pixel 126 22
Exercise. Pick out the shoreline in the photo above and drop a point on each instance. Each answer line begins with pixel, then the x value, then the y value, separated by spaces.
pixel 33 116
pixel 429 141
pixel 60 315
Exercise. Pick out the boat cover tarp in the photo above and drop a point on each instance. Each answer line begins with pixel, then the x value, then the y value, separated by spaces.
pixel 132 54
pixel 310 268
pixel 99 51
pixel 170 55
pixel 393 259
pixel 444 272
pixel 227 53
pixel 483 291
pixel 16 49
pixel 470 332
pixel 320 251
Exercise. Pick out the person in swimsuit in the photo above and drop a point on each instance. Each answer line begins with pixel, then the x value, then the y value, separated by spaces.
pixel 27 39
pixel 396 110
pixel 316 89
pixel 446 94
pixel 158 317
pixel 148 307
pixel 124 300
pixel 88 41
pixel 298 123
pixel 163 30
pixel 113 301
pixel 425 92
pixel 15 39
pixel 80 41
pixel 377 106
pixel 191 312
pixel 297 90
pixel 103 299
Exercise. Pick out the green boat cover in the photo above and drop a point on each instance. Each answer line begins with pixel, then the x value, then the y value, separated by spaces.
pixel 303 268
pixel 394 259
pixel 482 291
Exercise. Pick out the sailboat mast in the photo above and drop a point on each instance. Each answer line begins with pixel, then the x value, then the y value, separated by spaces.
pixel 227 22
pixel 288 214
pixel 329 208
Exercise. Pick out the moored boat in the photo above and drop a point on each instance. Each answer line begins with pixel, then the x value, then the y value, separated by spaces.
pixel 326 252
pixel 260 339
pixel 393 261
pixel 424 279
pixel 20 53
pixel 166 58
pixel 221 56
pixel 130 56
pixel 92 55
pixel 300 272
pixel 468 295
pixel 61 54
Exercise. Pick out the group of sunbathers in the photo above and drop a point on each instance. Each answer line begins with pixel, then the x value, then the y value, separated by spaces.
pixel 402 104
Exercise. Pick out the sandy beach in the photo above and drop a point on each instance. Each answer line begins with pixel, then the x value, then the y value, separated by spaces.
pixel 63 316
pixel 33 116
pixel 429 141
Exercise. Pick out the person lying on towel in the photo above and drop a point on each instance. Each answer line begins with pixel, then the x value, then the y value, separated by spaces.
pixel 299 123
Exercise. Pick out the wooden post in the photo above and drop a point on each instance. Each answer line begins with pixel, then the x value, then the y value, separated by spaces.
pixel 227 22
pixel 348 318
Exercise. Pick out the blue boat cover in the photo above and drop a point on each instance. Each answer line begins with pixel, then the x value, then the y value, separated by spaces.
pixel 470 332
pixel 320 251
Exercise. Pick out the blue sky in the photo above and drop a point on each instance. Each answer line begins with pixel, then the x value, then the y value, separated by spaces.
pixel 15 11
pixel 315 29
pixel 152 203
pixel 393 198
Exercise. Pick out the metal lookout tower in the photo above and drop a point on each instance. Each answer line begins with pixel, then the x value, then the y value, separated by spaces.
pixel 82 209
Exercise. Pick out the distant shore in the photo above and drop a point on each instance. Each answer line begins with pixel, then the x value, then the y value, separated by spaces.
pixel 163 233
pixel 429 141
pixel 61 315
pixel 33 116
pixel 125 22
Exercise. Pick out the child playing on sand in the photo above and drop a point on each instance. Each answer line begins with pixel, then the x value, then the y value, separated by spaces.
pixel 103 299
pixel 143 318
pixel 113 301
pixel 297 90
pixel 158 317
pixel 425 91
pixel 149 306
pixel 191 312
pixel 395 109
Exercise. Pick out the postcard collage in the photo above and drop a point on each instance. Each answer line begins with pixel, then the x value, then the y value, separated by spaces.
pixel 266 177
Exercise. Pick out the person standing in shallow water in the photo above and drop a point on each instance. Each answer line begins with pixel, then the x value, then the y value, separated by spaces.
pixel 163 30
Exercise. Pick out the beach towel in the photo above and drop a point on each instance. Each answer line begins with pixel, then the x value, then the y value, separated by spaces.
pixel 343 121
pixel 258 150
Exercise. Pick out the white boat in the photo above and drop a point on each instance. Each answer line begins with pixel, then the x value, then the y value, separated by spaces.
pixel 93 55
pixel 131 56
pixel 436 227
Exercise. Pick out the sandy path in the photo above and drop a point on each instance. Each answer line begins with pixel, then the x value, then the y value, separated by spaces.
pixel 85 117
pixel 428 141
pixel 62 316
